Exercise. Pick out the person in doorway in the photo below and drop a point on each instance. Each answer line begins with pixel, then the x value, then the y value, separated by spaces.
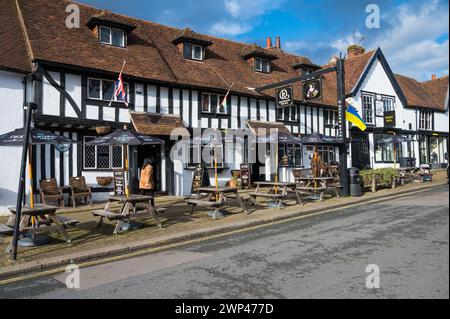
pixel 316 163
pixel 146 183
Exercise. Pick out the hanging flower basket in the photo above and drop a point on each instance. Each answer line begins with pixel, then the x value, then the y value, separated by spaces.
pixel 103 130
pixel 104 181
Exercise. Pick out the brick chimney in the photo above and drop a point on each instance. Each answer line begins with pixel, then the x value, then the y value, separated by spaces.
pixel 278 43
pixel 355 50
pixel 433 77
pixel 269 43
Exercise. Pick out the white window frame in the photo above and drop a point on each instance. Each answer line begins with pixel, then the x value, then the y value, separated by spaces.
pixel 111 161
pixel 363 102
pixel 262 60
pixel 331 118
pixel 127 89
pixel 220 98
pixel 192 55
pixel 110 42
pixel 426 120
pixel 392 100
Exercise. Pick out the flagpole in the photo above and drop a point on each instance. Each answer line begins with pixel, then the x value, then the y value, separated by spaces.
pixel 121 71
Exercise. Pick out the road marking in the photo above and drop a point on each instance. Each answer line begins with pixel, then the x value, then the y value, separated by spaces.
pixel 202 239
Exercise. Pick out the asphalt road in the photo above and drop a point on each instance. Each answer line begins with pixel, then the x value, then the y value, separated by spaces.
pixel 318 257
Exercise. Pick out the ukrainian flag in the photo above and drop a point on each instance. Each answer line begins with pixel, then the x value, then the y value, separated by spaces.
pixel 353 117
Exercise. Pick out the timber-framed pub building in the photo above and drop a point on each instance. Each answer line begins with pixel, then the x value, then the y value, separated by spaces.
pixel 178 79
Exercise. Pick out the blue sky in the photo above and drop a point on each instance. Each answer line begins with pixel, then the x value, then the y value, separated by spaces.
pixel 413 34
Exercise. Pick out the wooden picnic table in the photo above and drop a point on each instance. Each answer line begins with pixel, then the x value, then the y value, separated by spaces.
pixel 128 210
pixel 277 191
pixel 407 174
pixel 313 184
pixel 45 221
pixel 215 198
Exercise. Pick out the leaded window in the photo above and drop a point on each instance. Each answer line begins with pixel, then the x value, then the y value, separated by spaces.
pixel 101 157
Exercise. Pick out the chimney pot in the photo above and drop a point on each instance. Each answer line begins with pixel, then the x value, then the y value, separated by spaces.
pixel 433 77
pixel 278 43
pixel 269 43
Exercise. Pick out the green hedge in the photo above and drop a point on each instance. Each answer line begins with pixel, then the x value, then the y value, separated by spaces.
pixel 377 177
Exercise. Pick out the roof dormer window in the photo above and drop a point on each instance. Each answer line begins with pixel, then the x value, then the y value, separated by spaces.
pixel 262 65
pixel 112 36
pixel 194 52
pixel 110 29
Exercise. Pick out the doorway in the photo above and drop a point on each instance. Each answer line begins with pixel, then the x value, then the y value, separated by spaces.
pixel 138 155
pixel 360 150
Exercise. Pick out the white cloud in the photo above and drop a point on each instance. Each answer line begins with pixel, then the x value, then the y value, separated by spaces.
pixel 229 28
pixel 251 8
pixel 410 45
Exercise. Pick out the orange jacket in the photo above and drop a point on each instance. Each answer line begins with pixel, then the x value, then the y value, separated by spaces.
pixel 146 181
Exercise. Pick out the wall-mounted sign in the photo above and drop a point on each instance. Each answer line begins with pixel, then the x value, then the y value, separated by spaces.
pixel 389 119
pixel 285 96
pixel 312 89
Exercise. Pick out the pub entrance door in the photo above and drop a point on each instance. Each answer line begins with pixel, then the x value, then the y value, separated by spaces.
pixel 360 150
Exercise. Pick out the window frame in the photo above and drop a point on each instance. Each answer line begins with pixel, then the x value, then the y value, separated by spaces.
pixel 110 154
pixel 331 121
pixel 386 150
pixel 426 120
pixel 269 66
pixel 126 85
pixel 192 51
pixel 283 149
pixel 385 98
pixel 364 108
pixel 110 43
pixel 220 99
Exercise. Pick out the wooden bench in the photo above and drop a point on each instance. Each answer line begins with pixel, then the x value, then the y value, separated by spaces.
pixel 6 230
pixel 198 202
pixel 108 214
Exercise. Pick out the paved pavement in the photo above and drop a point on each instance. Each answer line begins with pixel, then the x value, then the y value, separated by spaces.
pixel 318 257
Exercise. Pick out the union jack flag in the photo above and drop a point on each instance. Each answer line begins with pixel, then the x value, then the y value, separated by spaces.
pixel 119 90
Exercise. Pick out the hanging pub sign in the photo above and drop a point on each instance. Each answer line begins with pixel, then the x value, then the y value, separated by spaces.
pixel 312 89
pixel 389 119
pixel 285 96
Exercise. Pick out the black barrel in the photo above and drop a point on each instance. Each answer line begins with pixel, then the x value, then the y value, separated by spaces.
pixel 355 182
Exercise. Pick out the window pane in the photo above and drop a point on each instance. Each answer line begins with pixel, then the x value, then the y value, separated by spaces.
pixel 118 38
pixel 103 157
pixel 280 113
pixel 89 153
pixel 187 51
pixel 205 103
pixel 117 157
pixel 214 103
pixel 108 90
pixel 94 89
pixel 197 53
pixel 105 35
pixel 258 64
pixel 222 105
pixel 266 66
pixel 294 113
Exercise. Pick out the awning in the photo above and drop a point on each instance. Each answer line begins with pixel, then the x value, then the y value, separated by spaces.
pixel 157 124
pixel 264 129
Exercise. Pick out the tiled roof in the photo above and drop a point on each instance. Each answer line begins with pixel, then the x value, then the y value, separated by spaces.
pixel 155 124
pixel 13 48
pixel 151 53
pixel 430 94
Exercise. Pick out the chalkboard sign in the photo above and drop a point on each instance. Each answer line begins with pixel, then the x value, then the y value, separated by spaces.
pixel 201 178
pixel 246 175
pixel 119 182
